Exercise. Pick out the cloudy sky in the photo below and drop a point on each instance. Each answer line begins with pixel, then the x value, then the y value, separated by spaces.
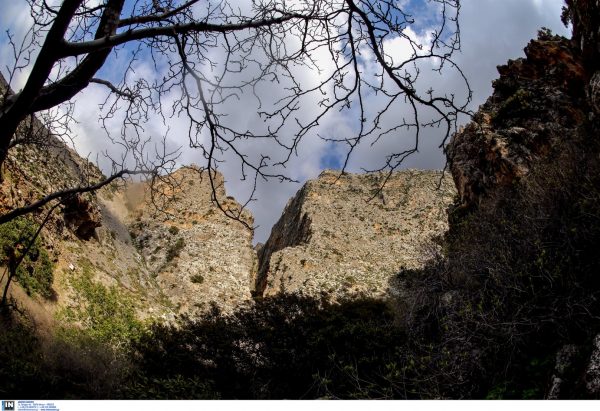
pixel 492 31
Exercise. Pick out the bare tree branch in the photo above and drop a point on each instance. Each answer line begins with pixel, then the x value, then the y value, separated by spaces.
pixel 296 65
pixel 17 212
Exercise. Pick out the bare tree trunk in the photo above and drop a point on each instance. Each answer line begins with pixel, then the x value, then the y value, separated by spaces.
pixel 35 97
pixel 12 270
pixel 8 127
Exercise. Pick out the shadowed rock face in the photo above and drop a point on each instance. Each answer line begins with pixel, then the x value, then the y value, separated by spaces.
pixel 537 101
pixel 340 236
pixel 292 229
pixel 544 111
pixel 82 215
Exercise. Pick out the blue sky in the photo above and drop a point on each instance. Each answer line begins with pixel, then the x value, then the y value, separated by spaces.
pixel 492 32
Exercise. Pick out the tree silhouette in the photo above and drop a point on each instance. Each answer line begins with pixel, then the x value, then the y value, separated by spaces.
pixel 216 53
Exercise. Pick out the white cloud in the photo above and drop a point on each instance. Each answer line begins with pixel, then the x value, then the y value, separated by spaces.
pixel 492 32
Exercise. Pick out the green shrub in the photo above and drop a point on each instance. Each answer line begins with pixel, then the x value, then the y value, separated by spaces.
pixel 35 272
pixel 107 314
pixel 197 279
pixel 174 249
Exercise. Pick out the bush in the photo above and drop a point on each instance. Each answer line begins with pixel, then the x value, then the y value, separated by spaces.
pixel 282 347
pixel 49 367
pixel 107 314
pixel 20 356
pixel 35 272
pixel 174 249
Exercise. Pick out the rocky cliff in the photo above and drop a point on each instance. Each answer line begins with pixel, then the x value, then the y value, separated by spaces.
pixel 525 239
pixel 342 235
pixel 171 250
pixel 199 256
pixel 182 256
pixel 538 101
pixel 176 255
pixel 82 236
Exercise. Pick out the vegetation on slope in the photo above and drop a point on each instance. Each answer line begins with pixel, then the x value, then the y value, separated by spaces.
pixel 24 258
pixel 518 282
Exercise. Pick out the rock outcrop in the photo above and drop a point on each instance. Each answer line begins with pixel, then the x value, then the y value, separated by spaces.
pixel 342 236
pixel 82 215
pixel 537 102
pixel 178 256
pixel 42 163
pixel 199 256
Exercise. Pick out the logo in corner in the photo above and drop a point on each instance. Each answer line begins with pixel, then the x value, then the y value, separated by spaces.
pixel 8 406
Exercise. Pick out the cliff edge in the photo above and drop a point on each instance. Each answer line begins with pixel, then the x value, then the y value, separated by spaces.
pixel 342 235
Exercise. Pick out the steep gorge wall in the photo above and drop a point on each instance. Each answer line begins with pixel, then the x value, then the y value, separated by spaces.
pixel 342 236
pixel 541 100
pixel 199 256
pixel 538 101
pixel 177 255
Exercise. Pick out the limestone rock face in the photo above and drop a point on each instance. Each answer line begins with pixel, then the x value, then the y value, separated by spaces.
pixel 198 255
pixel 342 237
pixel 537 101
pixel 169 257
pixel 42 164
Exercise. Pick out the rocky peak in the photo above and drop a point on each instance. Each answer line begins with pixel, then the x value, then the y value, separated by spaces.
pixel 342 236
pixel 537 101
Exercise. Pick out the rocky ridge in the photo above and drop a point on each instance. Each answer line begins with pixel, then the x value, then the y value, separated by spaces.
pixel 342 235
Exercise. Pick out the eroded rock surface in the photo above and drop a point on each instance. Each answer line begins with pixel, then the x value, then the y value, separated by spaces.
pixel 340 236
pixel 82 215
pixel 537 101
pixel 198 255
